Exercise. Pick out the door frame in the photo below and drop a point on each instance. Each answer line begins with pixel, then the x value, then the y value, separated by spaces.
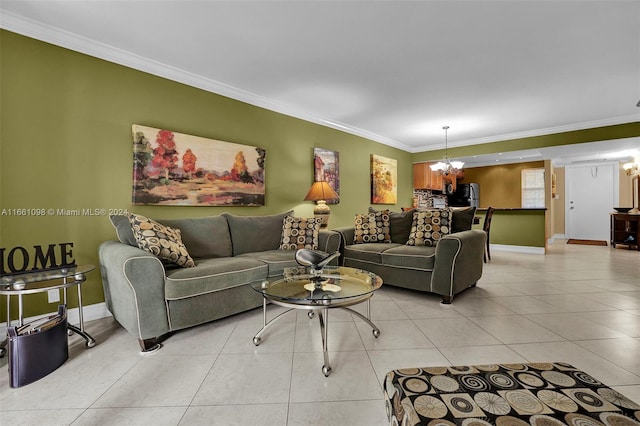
pixel 615 165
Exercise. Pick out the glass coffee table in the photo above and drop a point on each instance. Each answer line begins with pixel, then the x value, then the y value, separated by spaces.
pixel 311 290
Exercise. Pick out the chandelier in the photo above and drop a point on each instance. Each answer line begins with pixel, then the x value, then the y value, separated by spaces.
pixel 446 166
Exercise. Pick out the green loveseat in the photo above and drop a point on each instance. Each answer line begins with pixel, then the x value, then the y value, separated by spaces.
pixel 451 266
pixel 151 298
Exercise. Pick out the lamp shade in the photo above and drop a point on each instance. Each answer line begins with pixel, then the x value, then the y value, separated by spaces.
pixel 321 191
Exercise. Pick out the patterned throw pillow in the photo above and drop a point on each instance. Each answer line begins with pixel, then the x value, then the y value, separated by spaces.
pixel 300 233
pixel 372 228
pixel 160 240
pixel 429 226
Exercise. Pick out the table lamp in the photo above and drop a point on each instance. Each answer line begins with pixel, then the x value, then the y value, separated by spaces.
pixel 321 192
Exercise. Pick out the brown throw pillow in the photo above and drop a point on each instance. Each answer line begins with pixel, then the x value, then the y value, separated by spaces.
pixel 372 228
pixel 300 233
pixel 429 226
pixel 160 240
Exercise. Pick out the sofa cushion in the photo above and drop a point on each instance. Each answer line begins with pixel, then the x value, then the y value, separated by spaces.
pixel 160 240
pixel 212 275
pixel 429 226
pixel 123 229
pixel 276 260
pixel 462 218
pixel 255 233
pixel 300 233
pixel 371 252
pixel 414 257
pixel 204 237
pixel 372 228
pixel 399 225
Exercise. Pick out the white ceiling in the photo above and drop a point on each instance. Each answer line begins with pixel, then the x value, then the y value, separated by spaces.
pixel 392 71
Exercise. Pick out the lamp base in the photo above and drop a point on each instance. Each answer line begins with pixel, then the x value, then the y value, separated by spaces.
pixel 322 212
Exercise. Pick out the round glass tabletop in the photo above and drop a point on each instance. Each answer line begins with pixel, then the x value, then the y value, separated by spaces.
pixel 304 286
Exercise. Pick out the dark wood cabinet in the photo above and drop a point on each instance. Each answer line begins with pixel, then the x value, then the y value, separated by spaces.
pixel 625 229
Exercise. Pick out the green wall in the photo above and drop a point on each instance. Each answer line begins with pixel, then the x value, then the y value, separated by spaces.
pixel 65 143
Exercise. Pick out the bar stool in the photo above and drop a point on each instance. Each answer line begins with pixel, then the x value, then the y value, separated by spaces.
pixel 486 227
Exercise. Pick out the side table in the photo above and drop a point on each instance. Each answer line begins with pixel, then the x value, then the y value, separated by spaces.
pixel 42 281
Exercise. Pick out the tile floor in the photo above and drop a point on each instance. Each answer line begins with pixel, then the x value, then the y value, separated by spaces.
pixel 578 304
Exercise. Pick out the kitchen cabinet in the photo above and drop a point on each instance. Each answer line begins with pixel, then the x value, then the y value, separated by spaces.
pixel 425 178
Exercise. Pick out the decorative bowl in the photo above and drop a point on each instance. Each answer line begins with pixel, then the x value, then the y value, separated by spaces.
pixel 622 209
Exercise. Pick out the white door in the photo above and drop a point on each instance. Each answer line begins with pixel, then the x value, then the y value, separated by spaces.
pixel 591 193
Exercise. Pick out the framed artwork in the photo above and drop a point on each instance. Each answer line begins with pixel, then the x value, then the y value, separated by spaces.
pixel 384 180
pixel 326 167
pixel 175 169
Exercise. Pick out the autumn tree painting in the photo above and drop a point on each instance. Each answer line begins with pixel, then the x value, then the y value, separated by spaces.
pixel 165 155
pixel 179 169
pixel 189 162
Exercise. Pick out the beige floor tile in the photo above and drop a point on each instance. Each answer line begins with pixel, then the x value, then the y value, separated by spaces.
pixel 393 334
pixel 158 380
pixel 131 416
pixel 450 332
pixel 352 378
pixel 352 413
pixel 478 355
pixel 235 379
pixel 574 326
pixel 510 329
pixel 236 415
pixel 622 352
pixel 31 417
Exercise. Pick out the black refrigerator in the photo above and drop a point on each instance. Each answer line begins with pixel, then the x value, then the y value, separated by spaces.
pixel 466 194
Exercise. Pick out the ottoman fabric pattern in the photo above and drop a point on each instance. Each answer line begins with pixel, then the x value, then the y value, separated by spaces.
pixel 538 394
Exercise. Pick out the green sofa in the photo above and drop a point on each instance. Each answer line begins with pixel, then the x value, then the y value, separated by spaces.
pixel 151 298
pixel 451 266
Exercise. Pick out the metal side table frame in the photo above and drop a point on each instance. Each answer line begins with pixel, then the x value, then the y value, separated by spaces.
pixel 321 305
pixel 39 282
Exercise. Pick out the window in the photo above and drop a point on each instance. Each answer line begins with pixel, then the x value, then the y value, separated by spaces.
pixel 532 188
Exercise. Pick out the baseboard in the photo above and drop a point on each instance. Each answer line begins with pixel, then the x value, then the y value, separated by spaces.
pixel 555 237
pixel 89 313
pixel 517 249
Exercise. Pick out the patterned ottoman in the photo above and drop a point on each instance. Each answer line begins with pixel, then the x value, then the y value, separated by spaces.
pixel 540 394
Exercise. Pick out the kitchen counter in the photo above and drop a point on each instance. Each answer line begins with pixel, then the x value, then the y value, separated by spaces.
pixel 516 227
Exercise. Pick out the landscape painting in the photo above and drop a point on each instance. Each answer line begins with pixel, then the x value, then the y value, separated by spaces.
pixel 326 166
pixel 171 168
pixel 384 180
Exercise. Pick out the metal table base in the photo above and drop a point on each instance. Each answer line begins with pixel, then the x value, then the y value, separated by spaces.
pixel 323 318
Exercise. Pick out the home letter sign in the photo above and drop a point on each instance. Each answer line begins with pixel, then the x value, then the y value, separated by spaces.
pixel 19 260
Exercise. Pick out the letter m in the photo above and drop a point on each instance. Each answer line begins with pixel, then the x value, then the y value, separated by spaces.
pixel 46 261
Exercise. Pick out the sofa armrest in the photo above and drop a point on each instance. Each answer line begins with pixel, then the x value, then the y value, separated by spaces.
pixel 329 241
pixel 133 282
pixel 347 236
pixel 458 262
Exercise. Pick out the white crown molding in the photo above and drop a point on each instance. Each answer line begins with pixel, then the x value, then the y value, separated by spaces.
pixel 75 42
pixel 536 132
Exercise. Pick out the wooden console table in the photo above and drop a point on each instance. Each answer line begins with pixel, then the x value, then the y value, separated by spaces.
pixel 625 229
